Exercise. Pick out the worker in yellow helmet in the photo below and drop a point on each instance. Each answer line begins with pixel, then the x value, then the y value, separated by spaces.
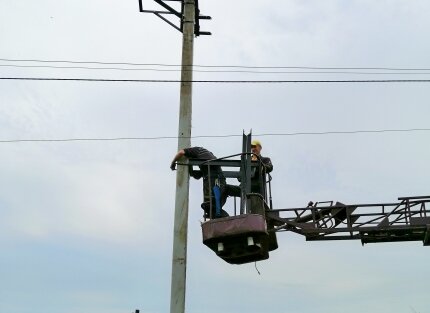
pixel 256 148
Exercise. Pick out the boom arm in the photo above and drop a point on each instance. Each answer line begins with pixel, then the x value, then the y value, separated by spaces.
pixel 406 220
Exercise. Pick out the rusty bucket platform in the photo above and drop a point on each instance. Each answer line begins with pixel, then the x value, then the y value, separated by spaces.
pixel 238 239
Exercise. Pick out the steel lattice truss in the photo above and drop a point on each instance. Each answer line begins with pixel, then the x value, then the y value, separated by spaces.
pixel 406 220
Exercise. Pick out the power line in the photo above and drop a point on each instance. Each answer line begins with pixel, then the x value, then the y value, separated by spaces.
pixel 212 71
pixel 218 81
pixel 224 136
pixel 217 66
pixel 91 62
pixel 89 68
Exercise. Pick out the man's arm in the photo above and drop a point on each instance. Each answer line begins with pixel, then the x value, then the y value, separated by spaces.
pixel 178 156
pixel 267 164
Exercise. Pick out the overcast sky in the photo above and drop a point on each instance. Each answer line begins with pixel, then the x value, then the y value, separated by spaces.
pixel 86 226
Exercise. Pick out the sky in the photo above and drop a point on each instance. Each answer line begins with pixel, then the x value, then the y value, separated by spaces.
pixel 87 226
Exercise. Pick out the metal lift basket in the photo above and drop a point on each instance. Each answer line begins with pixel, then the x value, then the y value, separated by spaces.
pixel 238 239
pixel 250 235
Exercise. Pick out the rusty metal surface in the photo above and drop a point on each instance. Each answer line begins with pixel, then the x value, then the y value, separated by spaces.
pixel 233 226
pixel 406 220
pixel 243 238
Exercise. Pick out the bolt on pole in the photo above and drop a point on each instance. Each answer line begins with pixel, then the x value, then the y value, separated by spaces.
pixel 179 258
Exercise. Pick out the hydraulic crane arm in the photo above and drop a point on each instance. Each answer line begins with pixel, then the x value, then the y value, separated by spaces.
pixel 406 220
pixel 250 233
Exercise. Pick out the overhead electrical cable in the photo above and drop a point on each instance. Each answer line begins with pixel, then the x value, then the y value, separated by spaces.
pixel 212 71
pixel 217 81
pixel 218 66
pixel 368 131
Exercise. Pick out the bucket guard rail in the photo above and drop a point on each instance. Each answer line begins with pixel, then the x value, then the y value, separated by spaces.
pixel 246 236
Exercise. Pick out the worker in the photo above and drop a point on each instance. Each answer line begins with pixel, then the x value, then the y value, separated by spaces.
pixel 217 178
pixel 258 181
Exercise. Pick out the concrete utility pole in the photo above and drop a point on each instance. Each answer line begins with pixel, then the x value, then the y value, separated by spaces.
pixel 179 260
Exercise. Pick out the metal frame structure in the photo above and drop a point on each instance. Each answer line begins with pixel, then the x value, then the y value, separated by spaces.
pixel 242 237
pixel 168 11
pixel 406 220
pixel 245 170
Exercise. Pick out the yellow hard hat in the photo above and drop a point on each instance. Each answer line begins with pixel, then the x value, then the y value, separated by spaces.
pixel 256 143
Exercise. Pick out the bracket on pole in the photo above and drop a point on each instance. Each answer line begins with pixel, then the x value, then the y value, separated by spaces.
pixel 171 14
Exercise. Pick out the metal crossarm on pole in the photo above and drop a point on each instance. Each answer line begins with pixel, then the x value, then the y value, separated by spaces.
pixel 179 14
